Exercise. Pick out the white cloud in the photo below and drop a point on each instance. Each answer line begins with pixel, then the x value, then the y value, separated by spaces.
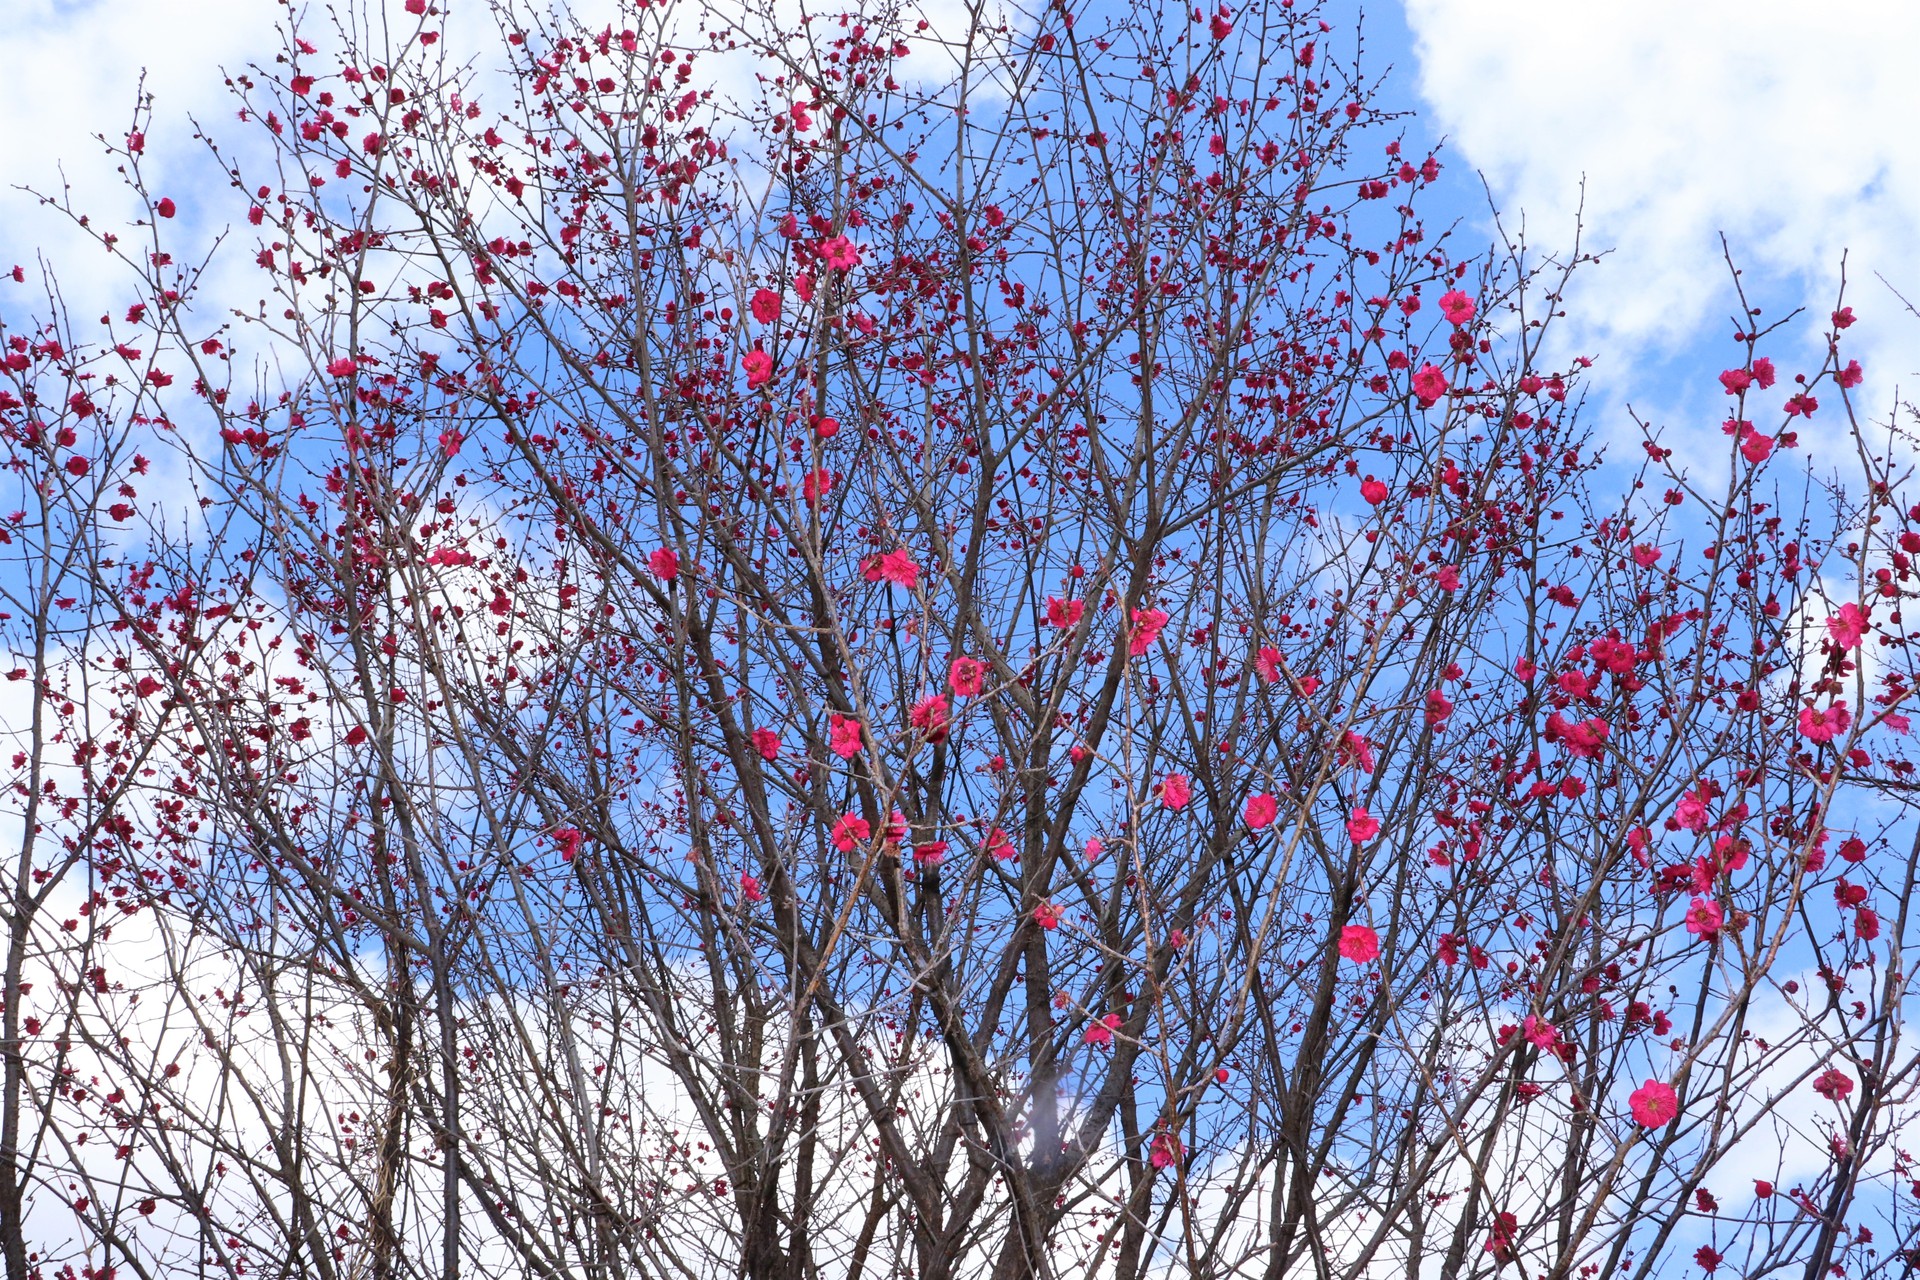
pixel 1787 128
pixel 73 72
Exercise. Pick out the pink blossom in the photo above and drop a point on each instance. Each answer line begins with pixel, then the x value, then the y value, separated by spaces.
pixel 1824 725
pixel 1356 752
pixel 929 716
pixel 767 743
pixel 1456 306
pixel 844 738
pixel 759 367
pixel 1654 1104
pixel 896 567
pixel 1691 813
pixel 1756 448
pixel 1704 918
pixel 1047 915
pixel 1175 791
pixel 1374 491
pixel 849 831
pixel 1362 826
pixel 839 253
pixel 664 564
pixel 1166 1149
pixel 1848 626
pixel 1429 383
pixel 967 677
pixel 1266 664
pixel 1147 625
pixel 1064 614
pixel 1262 810
pixel 1359 944
pixel 1101 1032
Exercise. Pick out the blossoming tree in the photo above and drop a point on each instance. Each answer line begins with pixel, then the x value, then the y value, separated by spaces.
pixel 980 658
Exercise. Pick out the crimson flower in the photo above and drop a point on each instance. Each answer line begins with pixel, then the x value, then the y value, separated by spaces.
pixel 1361 825
pixel 1064 614
pixel 759 367
pixel 1374 491
pixel 1833 1084
pixel 664 564
pixel 1456 306
pixel 1047 915
pixel 1175 791
pixel 765 306
pixel 929 716
pixel 767 743
pixel 1166 1149
pixel 1101 1032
